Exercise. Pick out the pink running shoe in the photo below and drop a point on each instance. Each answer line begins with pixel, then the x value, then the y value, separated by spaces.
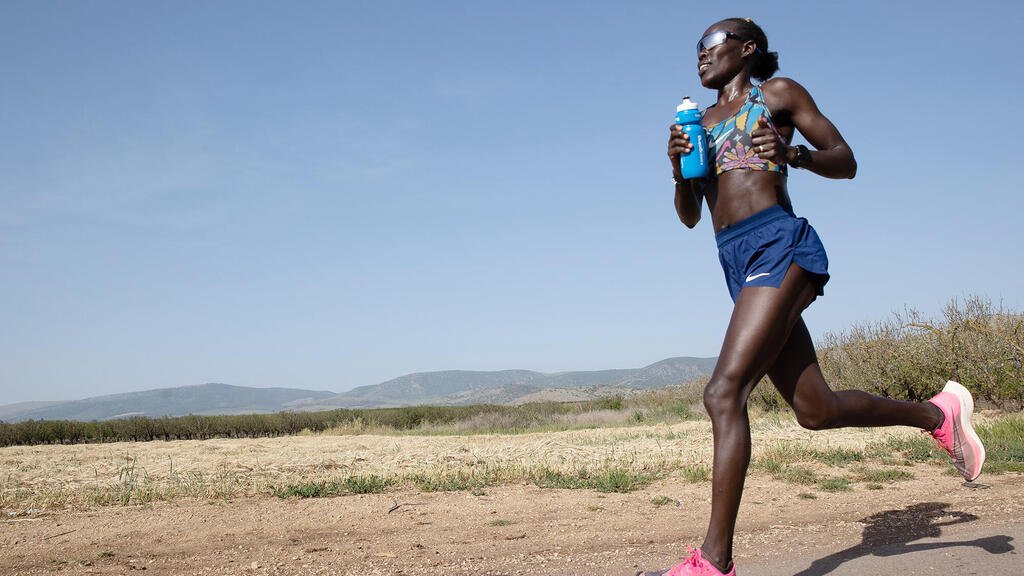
pixel 695 565
pixel 956 435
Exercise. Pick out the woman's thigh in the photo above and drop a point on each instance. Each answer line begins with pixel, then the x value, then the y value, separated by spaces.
pixel 760 325
pixel 796 375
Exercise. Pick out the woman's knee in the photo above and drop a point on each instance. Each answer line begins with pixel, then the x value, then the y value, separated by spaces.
pixel 813 421
pixel 816 415
pixel 723 396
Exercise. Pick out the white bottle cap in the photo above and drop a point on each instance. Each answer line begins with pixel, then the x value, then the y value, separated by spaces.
pixel 687 105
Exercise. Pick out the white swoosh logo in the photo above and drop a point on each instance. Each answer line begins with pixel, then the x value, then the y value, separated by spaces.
pixel 756 276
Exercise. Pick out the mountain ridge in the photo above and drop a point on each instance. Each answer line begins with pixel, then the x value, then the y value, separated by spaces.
pixel 201 399
pixel 447 387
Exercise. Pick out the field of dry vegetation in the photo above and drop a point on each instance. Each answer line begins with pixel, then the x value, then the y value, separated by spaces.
pixel 618 458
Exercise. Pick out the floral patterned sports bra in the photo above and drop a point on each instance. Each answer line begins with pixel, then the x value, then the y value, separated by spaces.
pixel 729 140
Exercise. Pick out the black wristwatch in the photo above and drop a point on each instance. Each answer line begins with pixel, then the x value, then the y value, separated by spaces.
pixel 803 156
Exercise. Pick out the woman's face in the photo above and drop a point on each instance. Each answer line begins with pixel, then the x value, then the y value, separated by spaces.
pixel 719 56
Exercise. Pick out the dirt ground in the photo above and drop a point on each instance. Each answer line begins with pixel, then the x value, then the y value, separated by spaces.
pixel 522 529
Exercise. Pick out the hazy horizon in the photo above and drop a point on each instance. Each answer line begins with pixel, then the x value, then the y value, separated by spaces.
pixel 324 389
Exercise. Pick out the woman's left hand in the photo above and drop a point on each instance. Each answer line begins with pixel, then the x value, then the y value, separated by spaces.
pixel 767 144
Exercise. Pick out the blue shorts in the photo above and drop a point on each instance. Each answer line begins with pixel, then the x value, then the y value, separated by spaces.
pixel 758 250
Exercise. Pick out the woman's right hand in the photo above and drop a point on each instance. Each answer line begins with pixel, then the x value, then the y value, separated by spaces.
pixel 678 143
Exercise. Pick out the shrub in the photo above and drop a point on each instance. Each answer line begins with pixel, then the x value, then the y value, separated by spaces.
pixel 909 358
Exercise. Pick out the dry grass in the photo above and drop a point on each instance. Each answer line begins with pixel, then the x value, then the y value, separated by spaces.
pixel 83 476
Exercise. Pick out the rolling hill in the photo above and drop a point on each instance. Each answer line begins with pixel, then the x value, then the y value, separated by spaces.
pixel 204 399
pixel 451 387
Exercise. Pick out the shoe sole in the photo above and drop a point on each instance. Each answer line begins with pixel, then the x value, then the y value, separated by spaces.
pixel 964 432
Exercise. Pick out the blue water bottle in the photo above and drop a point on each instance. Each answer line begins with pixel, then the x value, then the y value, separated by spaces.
pixel 694 164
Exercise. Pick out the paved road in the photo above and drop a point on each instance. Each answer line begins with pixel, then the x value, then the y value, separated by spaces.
pixel 958 551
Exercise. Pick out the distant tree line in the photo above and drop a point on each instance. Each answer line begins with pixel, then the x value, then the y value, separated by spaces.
pixel 141 429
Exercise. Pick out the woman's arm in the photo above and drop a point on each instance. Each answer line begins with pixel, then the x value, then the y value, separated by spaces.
pixel 688 201
pixel 688 192
pixel 832 156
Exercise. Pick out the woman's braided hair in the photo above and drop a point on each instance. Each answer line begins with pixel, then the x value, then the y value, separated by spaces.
pixel 765 63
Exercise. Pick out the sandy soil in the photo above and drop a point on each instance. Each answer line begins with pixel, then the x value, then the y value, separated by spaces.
pixel 221 520
pixel 518 529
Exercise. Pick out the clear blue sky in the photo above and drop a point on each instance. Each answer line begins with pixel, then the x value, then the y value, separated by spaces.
pixel 327 195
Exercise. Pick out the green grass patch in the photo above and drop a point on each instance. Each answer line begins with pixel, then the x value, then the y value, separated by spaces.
pixel 371 484
pixel 473 480
pixel 772 466
pixel 620 480
pixel 500 522
pixel 608 480
pixel 662 500
pixel 918 448
pixel 788 452
pixel 349 485
pixel 694 473
pixel 305 490
pixel 446 482
pixel 548 478
pixel 779 455
pixel 838 456
pixel 797 475
pixel 1004 444
pixel 835 485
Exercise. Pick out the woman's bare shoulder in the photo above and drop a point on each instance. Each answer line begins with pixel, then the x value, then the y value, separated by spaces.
pixel 786 93
pixel 781 86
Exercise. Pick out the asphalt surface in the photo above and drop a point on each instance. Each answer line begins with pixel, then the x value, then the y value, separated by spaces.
pixel 956 551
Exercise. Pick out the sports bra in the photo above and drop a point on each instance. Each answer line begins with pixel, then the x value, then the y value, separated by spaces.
pixel 729 140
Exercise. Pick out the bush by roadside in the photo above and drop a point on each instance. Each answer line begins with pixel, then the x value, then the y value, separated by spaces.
pixel 907 357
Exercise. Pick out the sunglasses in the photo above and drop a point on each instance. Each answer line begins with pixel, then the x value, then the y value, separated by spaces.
pixel 714 39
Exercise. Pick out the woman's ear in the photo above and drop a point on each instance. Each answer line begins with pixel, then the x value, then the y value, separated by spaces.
pixel 749 47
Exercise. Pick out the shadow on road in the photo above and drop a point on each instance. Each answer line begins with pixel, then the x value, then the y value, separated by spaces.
pixel 890 533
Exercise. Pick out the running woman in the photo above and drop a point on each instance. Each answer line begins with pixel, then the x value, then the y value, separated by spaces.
pixel 775 266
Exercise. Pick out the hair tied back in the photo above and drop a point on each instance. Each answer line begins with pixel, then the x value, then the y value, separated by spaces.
pixel 765 63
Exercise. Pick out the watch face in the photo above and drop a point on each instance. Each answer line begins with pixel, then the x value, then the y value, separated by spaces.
pixel 802 155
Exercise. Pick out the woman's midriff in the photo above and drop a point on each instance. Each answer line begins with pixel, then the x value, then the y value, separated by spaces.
pixel 739 194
